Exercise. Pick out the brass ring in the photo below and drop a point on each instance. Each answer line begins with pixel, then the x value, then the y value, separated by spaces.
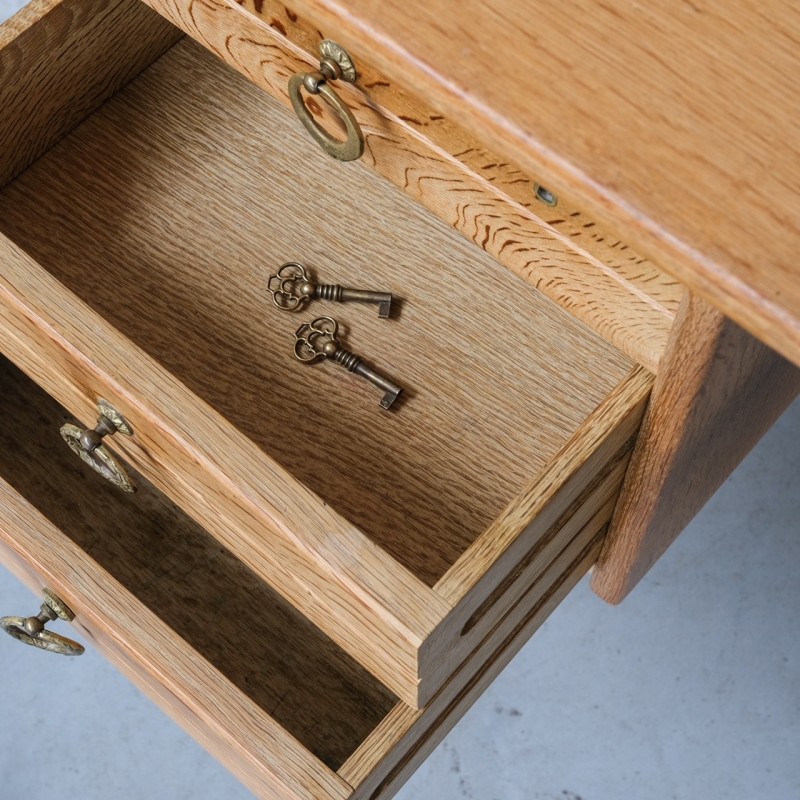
pixel 99 459
pixel 31 630
pixel 46 640
pixel 348 150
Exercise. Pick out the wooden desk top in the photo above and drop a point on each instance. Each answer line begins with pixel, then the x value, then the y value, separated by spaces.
pixel 676 123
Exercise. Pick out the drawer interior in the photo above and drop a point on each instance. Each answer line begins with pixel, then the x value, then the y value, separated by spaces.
pixel 167 210
pixel 256 640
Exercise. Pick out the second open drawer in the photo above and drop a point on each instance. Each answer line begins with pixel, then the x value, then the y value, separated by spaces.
pixel 135 255
pixel 289 712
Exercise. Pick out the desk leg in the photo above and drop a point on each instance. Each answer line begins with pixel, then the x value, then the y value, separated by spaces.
pixel 717 393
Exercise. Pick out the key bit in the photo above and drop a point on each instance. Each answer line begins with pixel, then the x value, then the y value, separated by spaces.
pixel 291 288
pixel 319 339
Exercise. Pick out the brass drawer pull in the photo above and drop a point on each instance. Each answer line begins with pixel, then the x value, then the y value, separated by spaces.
pixel 334 64
pixel 31 630
pixel 87 444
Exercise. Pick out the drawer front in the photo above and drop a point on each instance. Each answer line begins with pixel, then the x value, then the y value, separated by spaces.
pixel 280 704
pixel 621 296
pixel 407 537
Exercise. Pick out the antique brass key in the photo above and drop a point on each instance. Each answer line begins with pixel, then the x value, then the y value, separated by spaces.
pixel 318 339
pixel 291 288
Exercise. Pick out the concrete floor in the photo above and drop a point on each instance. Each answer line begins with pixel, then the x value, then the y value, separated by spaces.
pixel 690 689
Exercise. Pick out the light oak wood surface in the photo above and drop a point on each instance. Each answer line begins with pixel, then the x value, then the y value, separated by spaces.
pixel 675 124
pixel 232 662
pixel 182 193
pixel 427 543
pixel 174 567
pixel 406 737
pixel 621 310
pixel 269 520
pixel 719 392
pixel 110 600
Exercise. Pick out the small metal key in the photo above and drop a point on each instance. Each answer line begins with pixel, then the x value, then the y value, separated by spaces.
pixel 318 339
pixel 291 288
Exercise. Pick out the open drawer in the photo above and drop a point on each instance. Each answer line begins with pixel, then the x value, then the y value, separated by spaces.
pixel 287 710
pixel 134 259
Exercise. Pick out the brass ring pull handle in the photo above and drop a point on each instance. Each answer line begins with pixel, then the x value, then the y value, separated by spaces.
pixel 335 64
pixel 31 630
pixel 86 443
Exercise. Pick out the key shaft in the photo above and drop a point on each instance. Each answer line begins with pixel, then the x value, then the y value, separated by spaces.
pixel 355 364
pixel 341 294
pixel 318 339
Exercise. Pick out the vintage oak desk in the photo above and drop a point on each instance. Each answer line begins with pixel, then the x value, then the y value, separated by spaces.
pixel 581 210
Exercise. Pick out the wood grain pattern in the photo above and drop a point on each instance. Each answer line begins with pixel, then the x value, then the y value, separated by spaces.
pixel 718 393
pixel 60 60
pixel 221 717
pixel 189 689
pixel 623 313
pixel 147 614
pixel 200 307
pixel 676 126
pixel 406 737
pixel 567 219
pixel 148 652
pixel 486 390
pixel 490 577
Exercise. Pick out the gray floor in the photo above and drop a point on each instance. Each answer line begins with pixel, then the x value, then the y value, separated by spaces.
pixel 691 689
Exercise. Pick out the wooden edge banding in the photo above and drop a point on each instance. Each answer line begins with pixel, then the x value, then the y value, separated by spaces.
pixel 600 492
pixel 146 649
pixel 717 394
pixel 406 737
pixel 579 461
pixel 29 15
pixel 596 504
pixel 578 468
pixel 59 61
pixel 302 548
pixel 620 312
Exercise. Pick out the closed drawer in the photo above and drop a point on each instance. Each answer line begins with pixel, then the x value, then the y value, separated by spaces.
pixel 286 709
pixel 135 256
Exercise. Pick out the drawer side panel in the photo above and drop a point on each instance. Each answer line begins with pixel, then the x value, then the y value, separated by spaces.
pixel 64 59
